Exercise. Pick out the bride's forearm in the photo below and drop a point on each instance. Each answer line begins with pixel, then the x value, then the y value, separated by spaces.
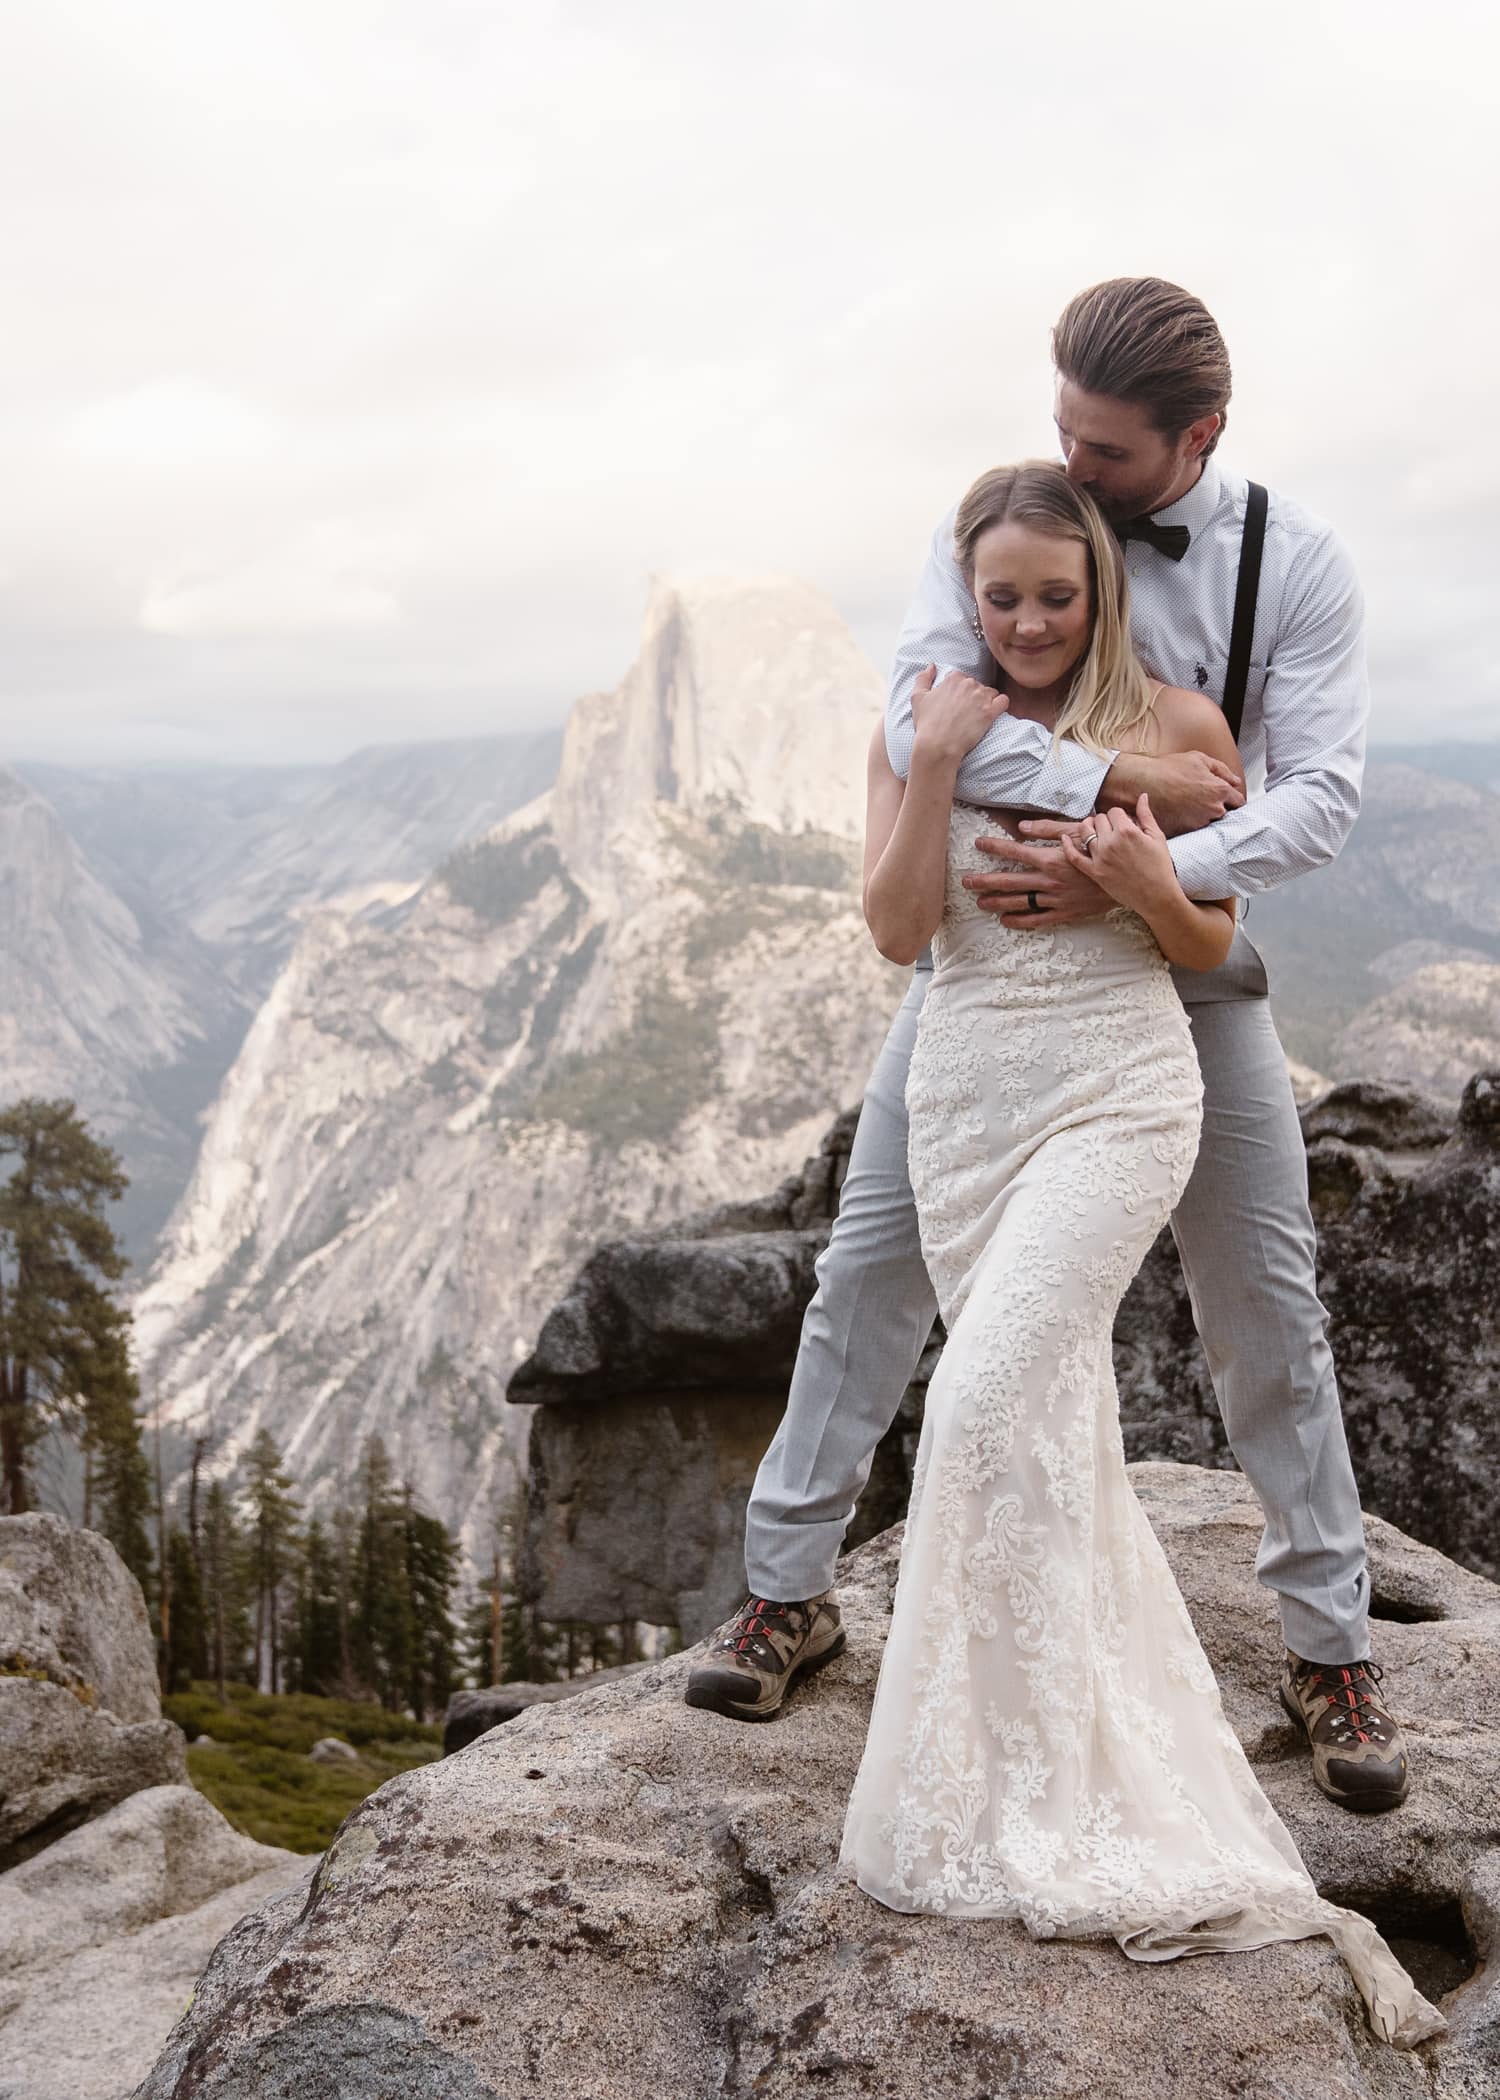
pixel 1194 936
pixel 904 892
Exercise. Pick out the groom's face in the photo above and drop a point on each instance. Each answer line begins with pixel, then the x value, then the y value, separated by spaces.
pixel 1112 449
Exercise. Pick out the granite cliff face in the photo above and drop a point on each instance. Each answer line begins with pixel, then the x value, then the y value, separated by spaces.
pixel 662 1373
pixel 649 987
pixel 616 1895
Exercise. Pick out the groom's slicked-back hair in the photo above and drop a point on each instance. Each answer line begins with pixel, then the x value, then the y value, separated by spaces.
pixel 1142 340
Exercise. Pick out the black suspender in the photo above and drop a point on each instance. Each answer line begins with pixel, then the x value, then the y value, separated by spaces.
pixel 1242 633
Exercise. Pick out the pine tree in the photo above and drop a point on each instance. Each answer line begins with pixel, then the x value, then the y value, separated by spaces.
pixel 432 1571
pixel 345 1554
pixel 317 1659
pixel 482 1626
pixel 226 1622
pixel 537 1650
pixel 272 1542
pixel 606 1646
pixel 64 1340
pixel 477 1638
pixel 381 1629
pixel 531 1649
pixel 187 1648
pixel 119 1480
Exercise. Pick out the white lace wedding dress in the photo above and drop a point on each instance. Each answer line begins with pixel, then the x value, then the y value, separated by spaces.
pixel 1047 1741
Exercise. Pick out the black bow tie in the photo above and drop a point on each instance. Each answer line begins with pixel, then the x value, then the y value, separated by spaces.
pixel 1170 540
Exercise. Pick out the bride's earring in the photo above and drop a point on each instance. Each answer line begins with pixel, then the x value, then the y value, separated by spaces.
pixel 978 630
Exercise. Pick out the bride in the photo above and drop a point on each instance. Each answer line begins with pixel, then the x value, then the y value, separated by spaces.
pixel 1047 1741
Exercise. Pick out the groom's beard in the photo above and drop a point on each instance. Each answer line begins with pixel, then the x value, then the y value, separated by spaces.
pixel 1136 503
pixel 1139 502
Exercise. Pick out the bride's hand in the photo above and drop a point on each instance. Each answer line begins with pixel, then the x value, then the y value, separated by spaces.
pixel 1127 856
pixel 949 719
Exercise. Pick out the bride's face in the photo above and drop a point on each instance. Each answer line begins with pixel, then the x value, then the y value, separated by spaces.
pixel 1034 602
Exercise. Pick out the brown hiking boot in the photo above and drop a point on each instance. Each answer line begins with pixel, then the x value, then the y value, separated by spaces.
pixel 1359 1753
pixel 762 1651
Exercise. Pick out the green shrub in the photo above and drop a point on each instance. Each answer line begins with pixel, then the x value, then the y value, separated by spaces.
pixel 257 1771
pixel 288 1720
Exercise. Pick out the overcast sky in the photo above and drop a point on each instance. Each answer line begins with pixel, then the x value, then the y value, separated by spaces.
pixel 363 359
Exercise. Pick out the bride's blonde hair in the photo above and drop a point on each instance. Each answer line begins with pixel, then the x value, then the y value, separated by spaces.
pixel 1110 695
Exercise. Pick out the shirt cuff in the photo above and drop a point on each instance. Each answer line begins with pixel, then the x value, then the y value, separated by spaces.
pixel 1070 779
pixel 1202 862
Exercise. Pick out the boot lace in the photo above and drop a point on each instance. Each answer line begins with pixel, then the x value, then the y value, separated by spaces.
pixel 1358 1716
pixel 750 1629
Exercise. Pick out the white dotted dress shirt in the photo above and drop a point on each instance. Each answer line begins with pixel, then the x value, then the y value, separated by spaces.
pixel 1302 738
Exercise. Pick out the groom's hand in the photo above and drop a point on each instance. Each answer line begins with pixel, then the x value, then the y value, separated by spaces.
pixel 1188 789
pixel 1062 893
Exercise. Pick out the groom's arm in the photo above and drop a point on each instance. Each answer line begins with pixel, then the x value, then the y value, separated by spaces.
pixel 1013 766
pixel 1314 713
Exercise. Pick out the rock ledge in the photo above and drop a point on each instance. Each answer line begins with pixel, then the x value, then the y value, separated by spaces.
pixel 618 1898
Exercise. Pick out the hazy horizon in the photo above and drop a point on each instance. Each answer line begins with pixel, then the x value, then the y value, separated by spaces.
pixel 1378 749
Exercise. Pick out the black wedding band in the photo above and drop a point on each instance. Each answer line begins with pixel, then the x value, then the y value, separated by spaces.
pixel 1031 903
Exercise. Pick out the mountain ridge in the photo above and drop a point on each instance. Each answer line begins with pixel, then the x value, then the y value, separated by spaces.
pixel 175 895
pixel 103 1002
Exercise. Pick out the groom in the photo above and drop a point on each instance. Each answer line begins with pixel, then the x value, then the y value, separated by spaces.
pixel 1143 384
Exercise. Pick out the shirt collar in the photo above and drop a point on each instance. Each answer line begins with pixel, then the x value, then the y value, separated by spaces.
pixel 1199 504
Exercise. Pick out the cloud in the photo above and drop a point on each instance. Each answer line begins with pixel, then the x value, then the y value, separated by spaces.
pixel 285 594
pixel 171 423
pixel 366 363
